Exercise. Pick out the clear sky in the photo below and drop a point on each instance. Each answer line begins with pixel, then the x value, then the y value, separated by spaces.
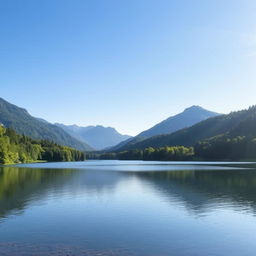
pixel 126 63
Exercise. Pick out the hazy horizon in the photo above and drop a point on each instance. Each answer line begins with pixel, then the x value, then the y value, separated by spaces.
pixel 125 133
pixel 127 64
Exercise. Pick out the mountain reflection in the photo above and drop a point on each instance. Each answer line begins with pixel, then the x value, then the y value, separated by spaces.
pixel 19 187
pixel 201 191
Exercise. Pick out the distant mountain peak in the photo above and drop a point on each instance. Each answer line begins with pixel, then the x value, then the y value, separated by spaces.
pixel 99 137
pixel 193 108
pixel 187 118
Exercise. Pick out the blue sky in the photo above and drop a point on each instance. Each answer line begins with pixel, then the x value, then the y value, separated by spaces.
pixel 127 63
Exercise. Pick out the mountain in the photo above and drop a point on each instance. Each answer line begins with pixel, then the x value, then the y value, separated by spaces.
pixel 236 124
pixel 187 118
pixel 99 137
pixel 22 122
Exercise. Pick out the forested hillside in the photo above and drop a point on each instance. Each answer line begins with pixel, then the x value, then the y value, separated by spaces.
pixel 225 137
pixel 23 123
pixel 238 143
pixel 15 148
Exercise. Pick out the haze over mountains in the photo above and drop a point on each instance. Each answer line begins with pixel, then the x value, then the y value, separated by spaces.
pixel 99 137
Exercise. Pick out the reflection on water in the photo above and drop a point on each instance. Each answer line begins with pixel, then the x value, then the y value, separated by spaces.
pixel 128 208
pixel 203 191
pixel 21 186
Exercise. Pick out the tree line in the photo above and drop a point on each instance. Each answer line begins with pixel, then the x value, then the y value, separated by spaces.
pixel 224 147
pixel 219 148
pixel 178 153
pixel 15 148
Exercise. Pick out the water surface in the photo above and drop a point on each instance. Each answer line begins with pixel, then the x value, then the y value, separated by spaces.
pixel 128 208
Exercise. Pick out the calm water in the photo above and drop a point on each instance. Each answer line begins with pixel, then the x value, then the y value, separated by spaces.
pixel 128 208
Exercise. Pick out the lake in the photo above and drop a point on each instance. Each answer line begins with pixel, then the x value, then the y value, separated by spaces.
pixel 128 208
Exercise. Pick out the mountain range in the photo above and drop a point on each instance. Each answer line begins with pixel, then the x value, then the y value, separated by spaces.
pixel 212 135
pixel 82 138
pixel 99 137
pixel 240 123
